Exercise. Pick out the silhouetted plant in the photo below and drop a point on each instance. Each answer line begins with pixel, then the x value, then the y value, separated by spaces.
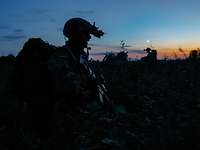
pixel 112 57
pixel 183 52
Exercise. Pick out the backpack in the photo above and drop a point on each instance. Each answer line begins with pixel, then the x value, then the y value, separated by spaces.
pixel 31 67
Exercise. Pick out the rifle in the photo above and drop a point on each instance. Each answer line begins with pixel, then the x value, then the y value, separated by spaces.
pixel 105 100
pixel 101 87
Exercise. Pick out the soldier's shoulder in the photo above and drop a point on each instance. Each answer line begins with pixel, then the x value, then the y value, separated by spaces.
pixel 60 52
pixel 59 58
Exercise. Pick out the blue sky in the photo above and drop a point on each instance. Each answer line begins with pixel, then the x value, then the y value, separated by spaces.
pixel 167 24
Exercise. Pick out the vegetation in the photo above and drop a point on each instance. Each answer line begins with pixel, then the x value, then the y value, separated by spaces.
pixel 158 107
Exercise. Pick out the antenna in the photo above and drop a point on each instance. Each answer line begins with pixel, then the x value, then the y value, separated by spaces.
pixel 122 44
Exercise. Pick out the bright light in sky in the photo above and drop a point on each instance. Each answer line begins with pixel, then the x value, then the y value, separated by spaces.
pixel 169 24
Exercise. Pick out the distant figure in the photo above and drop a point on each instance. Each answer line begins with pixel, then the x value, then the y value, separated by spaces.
pixel 194 54
pixel 151 56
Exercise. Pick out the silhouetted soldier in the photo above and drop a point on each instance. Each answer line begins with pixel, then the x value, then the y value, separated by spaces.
pixel 71 79
pixel 55 82
pixel 74 83
pixel 194 55
pixel 151 56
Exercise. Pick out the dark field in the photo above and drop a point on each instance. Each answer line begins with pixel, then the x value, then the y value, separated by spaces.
pixel 158 108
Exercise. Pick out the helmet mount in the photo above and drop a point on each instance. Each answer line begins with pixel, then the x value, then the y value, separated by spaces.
pixel 79 25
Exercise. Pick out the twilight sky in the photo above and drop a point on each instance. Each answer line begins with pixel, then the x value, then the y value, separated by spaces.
pixel 168 25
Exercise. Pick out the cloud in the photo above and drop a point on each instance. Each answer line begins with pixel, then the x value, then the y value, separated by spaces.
pixel 16 34
pixel 4 27
pixel 18 31
pixel 85 11
pixel 52 19
pixel 129 52
pixel 128 46
pixel 115 49
pixel 39 11
pixel 97 54
pixel 37 15
pixel 136 51
pixel 13 37
pixel 104 45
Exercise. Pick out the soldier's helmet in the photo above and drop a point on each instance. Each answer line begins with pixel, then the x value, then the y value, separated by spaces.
pixel 148 50
pixel 77 25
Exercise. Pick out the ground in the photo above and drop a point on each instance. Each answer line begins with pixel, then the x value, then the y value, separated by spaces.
pixel 157 107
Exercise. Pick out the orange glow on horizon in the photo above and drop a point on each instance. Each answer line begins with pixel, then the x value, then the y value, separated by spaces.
pixel 163 53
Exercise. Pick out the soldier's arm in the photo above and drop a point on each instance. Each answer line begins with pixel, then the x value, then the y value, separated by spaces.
pixel 63 77
pixel 65 80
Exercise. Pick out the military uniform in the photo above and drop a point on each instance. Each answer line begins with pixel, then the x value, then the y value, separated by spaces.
pixel 71 81
pixel 73 88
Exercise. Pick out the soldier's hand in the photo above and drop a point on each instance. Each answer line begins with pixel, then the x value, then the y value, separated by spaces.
pixel 84 93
